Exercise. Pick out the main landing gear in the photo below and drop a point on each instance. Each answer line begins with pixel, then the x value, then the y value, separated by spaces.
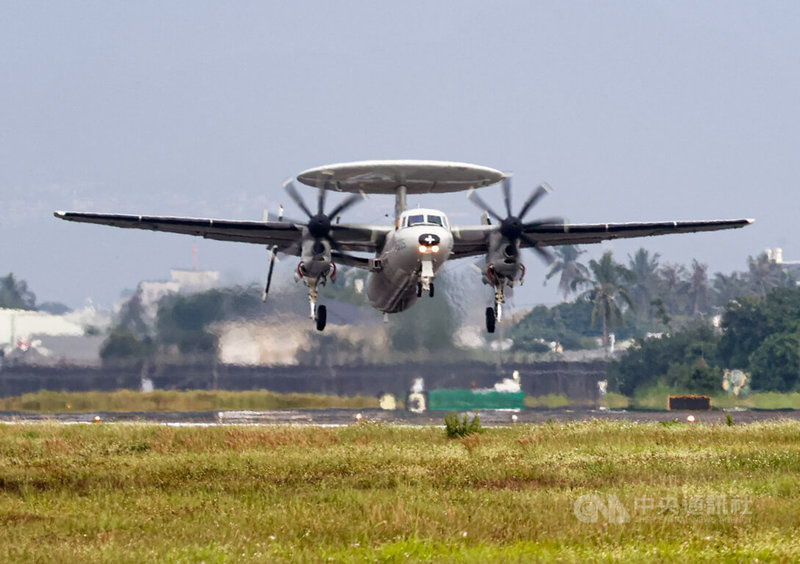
pixel 495 314
pixel 322 317
pixel 490 319
pixel 319 313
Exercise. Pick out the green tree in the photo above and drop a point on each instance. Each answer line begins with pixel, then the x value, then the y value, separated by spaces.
pixel 745 326
pixel 673 288
pixel 728 287
pixel 566 323
pixel 183 320
pixel 764 274
pixel 124 347
pixel 775 364
pixel 782 308
pixel 608 285
pixel 14 294
pixel 566 263
pixel 698 289
pixel 132 317
pixel 686 360
pixel 645 285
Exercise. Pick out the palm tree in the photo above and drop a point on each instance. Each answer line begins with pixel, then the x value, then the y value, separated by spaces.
pixel 673 288
pixel 699 291
pixel 567 264
pixel 14 294
pixel 764 274
pixel 728 287
pixel 645 271
pixel 608 283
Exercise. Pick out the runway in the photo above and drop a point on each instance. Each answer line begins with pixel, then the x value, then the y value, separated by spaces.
pixel 338 417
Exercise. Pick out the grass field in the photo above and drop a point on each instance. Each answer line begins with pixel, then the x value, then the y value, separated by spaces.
pixel 173 400
pixel 656 398
pixel 212 400
pixel 150 493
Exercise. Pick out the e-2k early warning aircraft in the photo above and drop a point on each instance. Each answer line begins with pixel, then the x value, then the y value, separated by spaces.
pixel 406 256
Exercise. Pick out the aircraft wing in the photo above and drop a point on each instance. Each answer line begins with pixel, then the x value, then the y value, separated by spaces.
pixel 470 241
pixel 282 233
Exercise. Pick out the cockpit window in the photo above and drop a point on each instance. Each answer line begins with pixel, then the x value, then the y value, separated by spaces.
pixel 424 219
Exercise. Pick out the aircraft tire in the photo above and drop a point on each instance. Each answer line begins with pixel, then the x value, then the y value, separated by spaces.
pixel 322 317
pixel 490 319
pixel 419 289
pixel 430 292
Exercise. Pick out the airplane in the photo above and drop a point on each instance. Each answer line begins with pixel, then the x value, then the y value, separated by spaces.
pixel 406 256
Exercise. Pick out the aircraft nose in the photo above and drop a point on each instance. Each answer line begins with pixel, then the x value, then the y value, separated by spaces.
pixel 429 239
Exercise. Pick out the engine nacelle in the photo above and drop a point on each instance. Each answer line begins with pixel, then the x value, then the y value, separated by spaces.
pixel 315 258
pixel 503 257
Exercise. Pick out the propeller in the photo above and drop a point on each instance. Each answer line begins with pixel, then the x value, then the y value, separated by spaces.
pixel 273 254
pixel 272 258
pixel 512 227
pixel 319 224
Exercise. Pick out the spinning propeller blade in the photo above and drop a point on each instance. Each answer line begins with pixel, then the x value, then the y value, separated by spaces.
pixel 273 254
pixel 319 224
pixel 511 226
pixel 292 191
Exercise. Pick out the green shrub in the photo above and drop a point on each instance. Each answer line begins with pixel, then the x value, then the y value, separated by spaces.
pixel 551 401
pixel 458 428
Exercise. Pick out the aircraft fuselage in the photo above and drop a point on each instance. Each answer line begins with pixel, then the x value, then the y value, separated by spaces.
pixel 411 257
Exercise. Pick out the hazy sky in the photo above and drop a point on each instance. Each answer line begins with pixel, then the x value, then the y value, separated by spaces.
pixel 630 110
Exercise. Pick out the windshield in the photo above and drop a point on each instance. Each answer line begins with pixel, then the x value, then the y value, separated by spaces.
pixel 420 219
pixel 416 220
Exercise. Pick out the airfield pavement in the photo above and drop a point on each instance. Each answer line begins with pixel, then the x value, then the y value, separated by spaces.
pixel 337 417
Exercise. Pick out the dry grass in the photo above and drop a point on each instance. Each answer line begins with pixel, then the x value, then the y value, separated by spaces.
pixel 171 400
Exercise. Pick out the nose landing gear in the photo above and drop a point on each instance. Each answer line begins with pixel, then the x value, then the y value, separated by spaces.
pixel 426 276
pixel 422 287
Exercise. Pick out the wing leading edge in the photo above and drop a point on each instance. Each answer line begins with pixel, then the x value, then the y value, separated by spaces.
pixel 470 241
pixel 282 233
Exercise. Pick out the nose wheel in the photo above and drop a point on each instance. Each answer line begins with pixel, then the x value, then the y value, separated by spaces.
pixel 422 287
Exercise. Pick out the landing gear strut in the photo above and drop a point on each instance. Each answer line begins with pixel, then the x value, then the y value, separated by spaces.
pixel 495 314
pixel 319 313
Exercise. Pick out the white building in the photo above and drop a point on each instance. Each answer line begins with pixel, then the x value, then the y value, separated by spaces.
pixel 18 326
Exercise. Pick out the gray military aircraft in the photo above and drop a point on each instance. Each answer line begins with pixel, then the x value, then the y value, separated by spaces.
pixel 406 256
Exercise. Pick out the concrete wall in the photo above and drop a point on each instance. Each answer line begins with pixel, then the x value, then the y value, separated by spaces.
pixel 576 380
